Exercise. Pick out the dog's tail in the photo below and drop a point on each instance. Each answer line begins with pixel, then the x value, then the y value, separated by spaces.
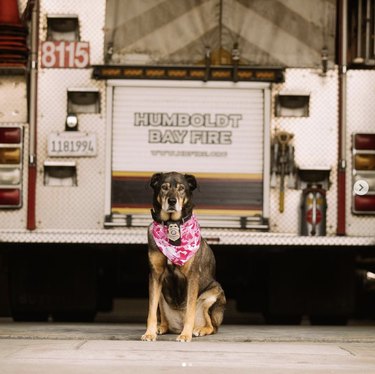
pixel 217 311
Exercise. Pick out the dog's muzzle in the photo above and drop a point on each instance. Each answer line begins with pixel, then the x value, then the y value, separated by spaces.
pixel 172 201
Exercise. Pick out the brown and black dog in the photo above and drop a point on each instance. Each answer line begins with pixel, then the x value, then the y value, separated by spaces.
pixel 182 266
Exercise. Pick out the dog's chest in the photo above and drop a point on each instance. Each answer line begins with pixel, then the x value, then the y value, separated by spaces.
pixel 174 272
pixel 175 286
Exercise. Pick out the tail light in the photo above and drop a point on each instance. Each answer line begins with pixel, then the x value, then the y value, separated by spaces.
pixel 10 135
pixel 10 176
pixel 364 141
pixel 365 203
pixel 10 197
pixel 10 167
pixel 10 156
pixel 364 169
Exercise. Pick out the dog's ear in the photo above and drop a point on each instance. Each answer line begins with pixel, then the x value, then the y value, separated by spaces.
pixel 155 179
pixel 192 182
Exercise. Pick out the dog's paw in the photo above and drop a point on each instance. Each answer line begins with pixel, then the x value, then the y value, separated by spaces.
pixel 184 338
pixel 148 337
pixel 162 329
pixel 202 331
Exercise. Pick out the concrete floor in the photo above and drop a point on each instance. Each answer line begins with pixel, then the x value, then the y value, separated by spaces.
pixel 244 344
pixel 56 348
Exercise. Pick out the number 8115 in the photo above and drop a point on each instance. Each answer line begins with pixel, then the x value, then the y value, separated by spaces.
pixel 65 54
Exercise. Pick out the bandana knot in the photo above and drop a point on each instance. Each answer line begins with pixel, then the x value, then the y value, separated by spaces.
pixel 178 242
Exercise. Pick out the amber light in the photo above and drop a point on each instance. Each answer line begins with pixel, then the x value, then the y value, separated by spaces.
pixel 10 155
pixel 364 161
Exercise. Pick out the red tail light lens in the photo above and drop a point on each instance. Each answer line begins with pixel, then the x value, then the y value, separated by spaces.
pixel 364 141
pixel 364 203
pixel 10 135
pixel 10 197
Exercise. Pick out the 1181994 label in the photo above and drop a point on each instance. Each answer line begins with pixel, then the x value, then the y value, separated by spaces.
pixel 72 144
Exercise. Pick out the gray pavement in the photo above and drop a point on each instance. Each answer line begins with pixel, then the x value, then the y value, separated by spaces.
pixel 98 348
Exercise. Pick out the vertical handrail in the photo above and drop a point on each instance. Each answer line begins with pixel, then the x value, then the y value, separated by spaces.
pixel 359 33
pixel 31 201
pixel 341 173
pixel 368 31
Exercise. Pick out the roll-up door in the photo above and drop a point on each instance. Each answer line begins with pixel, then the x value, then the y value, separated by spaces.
pixel 218 131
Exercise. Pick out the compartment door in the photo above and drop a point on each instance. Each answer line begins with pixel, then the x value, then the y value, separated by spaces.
pixel 218 131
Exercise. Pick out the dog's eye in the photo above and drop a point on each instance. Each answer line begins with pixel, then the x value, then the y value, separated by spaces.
pixel 164 187
pixel 181 188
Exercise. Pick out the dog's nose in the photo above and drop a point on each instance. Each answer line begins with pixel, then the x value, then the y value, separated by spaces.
pixel 172 201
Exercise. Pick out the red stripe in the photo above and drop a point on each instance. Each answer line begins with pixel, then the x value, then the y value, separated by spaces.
pixel 31 198
pixel 341 203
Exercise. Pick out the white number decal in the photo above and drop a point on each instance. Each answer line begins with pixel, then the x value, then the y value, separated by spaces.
pixel 81 55
pixel 48 54
pixel 64 54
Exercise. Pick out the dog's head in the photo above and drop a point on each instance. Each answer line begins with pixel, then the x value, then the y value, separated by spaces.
pixel 172 195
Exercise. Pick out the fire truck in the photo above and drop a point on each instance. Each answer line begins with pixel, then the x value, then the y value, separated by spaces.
pixel 270 104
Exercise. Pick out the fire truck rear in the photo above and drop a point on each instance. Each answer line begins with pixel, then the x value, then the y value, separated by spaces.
pixel 270 106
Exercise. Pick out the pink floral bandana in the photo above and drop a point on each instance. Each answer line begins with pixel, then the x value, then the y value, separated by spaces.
pixel 188 245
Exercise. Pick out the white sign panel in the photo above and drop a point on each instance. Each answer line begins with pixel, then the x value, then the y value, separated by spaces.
pixel 72 144
pixel 206 128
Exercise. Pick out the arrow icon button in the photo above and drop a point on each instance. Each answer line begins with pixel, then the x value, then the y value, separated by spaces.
pixel 361 187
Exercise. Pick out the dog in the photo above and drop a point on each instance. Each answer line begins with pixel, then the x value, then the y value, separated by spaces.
pixel 182 285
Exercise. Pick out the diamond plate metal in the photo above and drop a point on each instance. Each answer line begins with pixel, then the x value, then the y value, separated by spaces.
pixel 360 118
pixel 82 206
pixel 138 235
pixel 91 17
pixel 315 142
pixel 13 99
pixel 16 218
pixel 76 214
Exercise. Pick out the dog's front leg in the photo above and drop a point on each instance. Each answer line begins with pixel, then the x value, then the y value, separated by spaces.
pixel 192 295
pixel 157 269
pixel 154 297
